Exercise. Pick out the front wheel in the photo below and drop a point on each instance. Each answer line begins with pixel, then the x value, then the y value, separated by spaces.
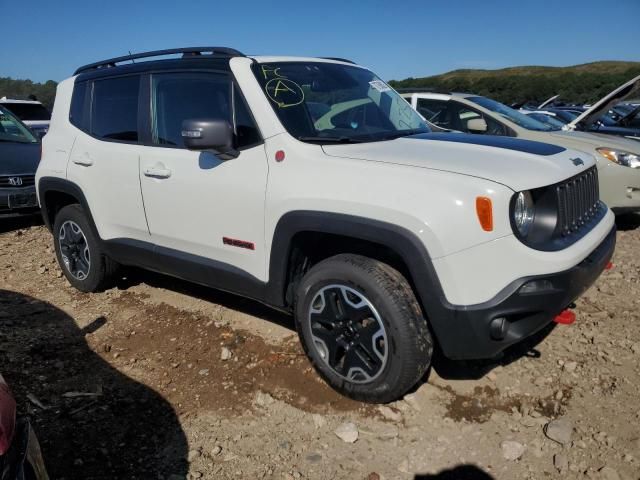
pixel 362 328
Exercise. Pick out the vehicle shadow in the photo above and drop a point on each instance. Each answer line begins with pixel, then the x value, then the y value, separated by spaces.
pixel 10 224
pixel 135 276
pixel 445 368
pixel 92 420
pixel 476 369
pixel 460 472
pixel 627 221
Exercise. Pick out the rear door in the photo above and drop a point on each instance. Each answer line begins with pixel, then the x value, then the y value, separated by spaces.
pixel 199 207
pixel 105 157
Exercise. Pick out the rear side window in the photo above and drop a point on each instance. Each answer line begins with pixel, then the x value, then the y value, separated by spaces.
pixel 77 115
pixel 114 109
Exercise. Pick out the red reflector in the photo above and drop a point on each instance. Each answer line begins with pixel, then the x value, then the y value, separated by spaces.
pixel 566 317
pixel 609 266
pixel 279 155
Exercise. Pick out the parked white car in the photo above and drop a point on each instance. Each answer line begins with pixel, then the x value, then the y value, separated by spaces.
pixel 32 113
pixel 310 185
pixel 618 158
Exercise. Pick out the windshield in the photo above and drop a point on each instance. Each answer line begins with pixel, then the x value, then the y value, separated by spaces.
pixel 548 120
pixel 330 103
pixel 12 130
pixel 520 119
pixel 28 111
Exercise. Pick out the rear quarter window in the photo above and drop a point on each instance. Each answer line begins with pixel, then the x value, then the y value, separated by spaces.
pixel 77 112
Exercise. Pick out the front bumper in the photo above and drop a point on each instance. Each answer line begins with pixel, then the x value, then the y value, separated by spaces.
pixel 477 332
pixel 19 200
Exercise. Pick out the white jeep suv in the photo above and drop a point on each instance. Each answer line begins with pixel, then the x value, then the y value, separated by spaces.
pixel 310 185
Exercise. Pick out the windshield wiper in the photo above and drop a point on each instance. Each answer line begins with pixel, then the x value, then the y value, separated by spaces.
pixel 403 133
pixel 329 139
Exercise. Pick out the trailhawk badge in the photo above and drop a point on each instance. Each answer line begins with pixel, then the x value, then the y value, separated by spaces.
pixel 15 181
pixel 577 161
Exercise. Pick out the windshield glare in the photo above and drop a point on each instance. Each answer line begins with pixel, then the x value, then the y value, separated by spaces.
pixel 12 130
pixel 520 119
pixel 327 102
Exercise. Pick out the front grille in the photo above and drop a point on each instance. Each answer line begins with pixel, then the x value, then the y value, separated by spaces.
pixel 9 181
pixel 578 201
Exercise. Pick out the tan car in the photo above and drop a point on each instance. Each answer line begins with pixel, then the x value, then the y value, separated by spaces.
pixel 618 158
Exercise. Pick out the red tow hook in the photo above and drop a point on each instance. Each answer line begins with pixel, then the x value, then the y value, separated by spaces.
pixel 609 266
pixel 566 317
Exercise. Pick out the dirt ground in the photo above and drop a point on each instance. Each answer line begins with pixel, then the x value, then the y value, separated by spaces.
pixel 159 379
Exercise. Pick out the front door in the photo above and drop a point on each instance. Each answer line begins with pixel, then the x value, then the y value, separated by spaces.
pixel 201 208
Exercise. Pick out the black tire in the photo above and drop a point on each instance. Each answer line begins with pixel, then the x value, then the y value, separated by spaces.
pixel 100 270
pixel 401 358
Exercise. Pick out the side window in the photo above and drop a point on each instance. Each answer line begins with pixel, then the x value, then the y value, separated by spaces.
pixel 179 96
pixel 77 115
pixel 462 114
pixel 436 111
pixel 114 109
pixel 246 130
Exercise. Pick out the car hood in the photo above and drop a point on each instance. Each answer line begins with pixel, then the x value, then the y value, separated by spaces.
pixel 630 89
pixel 595 140
pixel 548 101
pixel 517 164
pixel 19 158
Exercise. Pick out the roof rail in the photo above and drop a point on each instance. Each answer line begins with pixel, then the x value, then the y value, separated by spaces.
pixel 186 52
pixel 338 59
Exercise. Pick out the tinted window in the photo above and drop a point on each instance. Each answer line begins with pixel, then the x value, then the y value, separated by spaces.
pixel 246 131
pixel 180 96
pixel 77 111
pixel 114 112
pixel 28 111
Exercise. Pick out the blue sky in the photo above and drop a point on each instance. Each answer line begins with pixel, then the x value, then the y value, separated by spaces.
pixel 44 39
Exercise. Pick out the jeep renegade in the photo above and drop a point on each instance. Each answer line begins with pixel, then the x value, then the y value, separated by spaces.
pixel 310 185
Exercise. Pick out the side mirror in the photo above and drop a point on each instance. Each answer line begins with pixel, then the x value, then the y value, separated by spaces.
pixel 477 125
pixel 210 134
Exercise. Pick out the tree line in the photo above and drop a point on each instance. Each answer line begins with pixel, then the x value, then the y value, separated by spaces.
pixel 23 89
pixel 576 86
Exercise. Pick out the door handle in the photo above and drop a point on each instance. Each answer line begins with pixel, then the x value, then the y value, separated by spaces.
pixel 157 171
pixel 84 160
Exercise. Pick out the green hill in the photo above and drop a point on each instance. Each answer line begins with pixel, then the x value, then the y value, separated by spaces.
pixel 579 83
pixel 21 89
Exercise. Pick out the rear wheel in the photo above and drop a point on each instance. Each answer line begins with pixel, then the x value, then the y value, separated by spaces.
pixel 79 251
pixel 362 327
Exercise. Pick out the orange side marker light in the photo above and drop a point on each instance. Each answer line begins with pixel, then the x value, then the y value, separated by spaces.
pixel 484 210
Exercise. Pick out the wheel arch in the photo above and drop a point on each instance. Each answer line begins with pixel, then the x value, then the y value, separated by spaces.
pixel 55 194
pixel 359 235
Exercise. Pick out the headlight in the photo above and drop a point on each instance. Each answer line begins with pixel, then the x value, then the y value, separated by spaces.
pixel 523 213
pixel 620 157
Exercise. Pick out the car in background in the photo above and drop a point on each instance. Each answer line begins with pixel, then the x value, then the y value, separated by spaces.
pixel 547 117
pixel 617 113
pixel 618 158
pixel 19 158
pixel 20 455
pixel 32 113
